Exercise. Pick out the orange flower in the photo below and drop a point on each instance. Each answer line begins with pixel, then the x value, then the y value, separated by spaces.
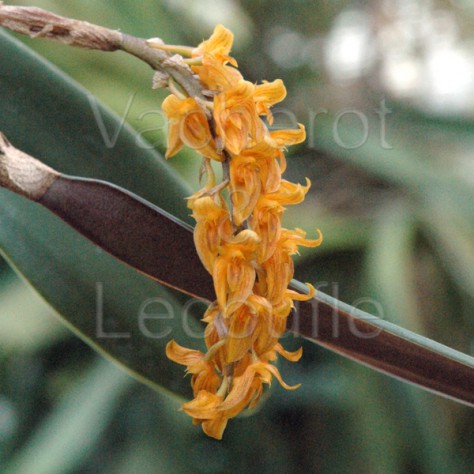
pixel 241 333
pixel 279 268
pixel 270 329
pixel 212 226
pixel 267 214
pixel 203 371
pixel 240 241
pixel 268 94
pixel 245 186
pixel 271 167
pixel 236 117
pixel 266 222
pixel 234 272
pixel 216 75
pixel 218 45
pixel 245 386
pixel 242 327
pixel 213 71
pixel 253 171
pixel 204 410
pixel 188 125
pixel 213 411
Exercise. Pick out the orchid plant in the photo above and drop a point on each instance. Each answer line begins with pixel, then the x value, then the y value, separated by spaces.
pixel 241 265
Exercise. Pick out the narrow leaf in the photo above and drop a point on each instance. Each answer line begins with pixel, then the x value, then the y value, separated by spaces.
pixel 106 303
pixel 84 204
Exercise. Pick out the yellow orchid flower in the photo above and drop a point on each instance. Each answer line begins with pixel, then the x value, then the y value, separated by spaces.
pixel 218 45
pixel 268 94
pixel 238 234
pixel 245 186
pixel 236 118
pixel 213 225
pixel 243 327
pixel 215 74
pixel 188 125
pixel 234 272
pixel 266 222
pixel 214 54
pixel 203 371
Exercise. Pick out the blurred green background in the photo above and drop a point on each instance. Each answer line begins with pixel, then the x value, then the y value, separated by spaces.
pixel 386 91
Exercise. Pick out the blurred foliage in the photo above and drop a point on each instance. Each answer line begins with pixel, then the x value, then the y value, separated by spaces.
pixel 395 206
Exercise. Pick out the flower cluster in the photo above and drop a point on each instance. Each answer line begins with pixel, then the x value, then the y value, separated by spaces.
pixel 238 233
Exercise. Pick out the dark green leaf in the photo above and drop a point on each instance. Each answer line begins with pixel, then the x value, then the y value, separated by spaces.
pixel 49 116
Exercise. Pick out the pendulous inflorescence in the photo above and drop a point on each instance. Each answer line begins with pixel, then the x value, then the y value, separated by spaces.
pixel 238 233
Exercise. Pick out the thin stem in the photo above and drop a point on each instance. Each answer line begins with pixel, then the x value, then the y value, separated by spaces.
pixel 226 167
pixel 171 48
pixel 140 49
pixel 39 23
pixel 213 349
pixel 212 191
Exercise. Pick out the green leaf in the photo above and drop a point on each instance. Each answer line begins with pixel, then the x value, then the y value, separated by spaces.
pixel 404 157
pixel 391 264
pixel 454 241
pixel 49 116
pixel 27 328
pixel 67 435
pixel 88 280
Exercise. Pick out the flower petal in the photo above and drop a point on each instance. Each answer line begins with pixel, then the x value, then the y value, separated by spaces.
pixel 291 356
pixel 284 138
pixel 218 44
pixel 182 355
pixel 215 427
pixel 241 333
pixel 204 406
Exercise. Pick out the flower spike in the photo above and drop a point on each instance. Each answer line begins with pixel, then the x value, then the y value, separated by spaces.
pixel 238 234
